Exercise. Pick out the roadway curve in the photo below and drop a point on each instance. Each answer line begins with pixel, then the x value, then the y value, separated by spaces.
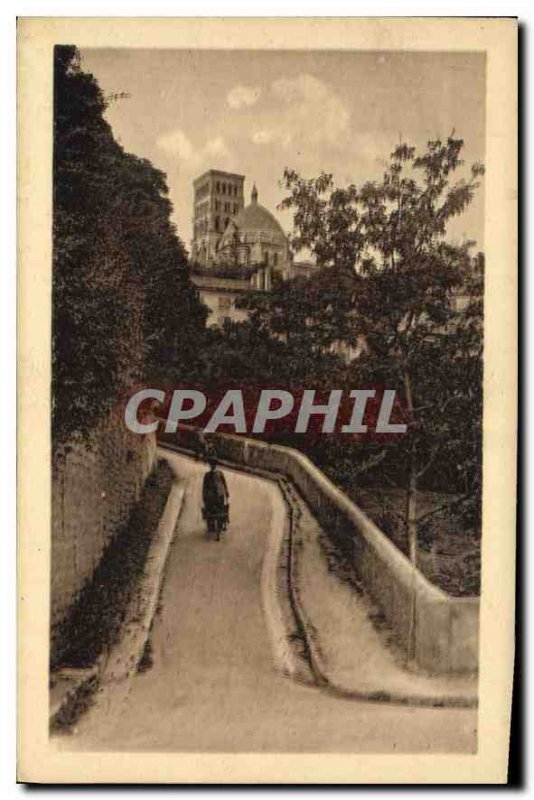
pixel 214 686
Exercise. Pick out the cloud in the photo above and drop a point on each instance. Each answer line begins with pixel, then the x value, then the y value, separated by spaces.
pixel 262 137
pixel 307 109
pixel 177 143
pixel 217 147
pixel 243 96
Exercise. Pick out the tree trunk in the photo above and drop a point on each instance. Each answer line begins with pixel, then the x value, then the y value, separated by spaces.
pixel 411 511
pixel 410 520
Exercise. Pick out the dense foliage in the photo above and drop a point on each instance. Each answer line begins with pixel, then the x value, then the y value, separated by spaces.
pixel 394 291
pixel 124 309
pixel 395 302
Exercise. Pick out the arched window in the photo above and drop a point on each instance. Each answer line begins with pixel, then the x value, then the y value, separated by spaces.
pixel 275 259
pixel 218 186
pixel 217 223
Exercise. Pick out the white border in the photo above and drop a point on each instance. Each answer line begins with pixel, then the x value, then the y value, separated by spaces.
pixel 7 149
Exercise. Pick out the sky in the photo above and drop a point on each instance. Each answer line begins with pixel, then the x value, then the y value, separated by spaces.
pixel 257 112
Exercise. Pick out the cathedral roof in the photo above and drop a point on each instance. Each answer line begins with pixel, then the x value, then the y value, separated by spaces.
pixel 254 218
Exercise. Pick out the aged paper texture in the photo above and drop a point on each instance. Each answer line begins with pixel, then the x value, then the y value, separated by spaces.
pixel 267 399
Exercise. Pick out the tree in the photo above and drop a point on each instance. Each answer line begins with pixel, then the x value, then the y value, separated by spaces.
pixel 124 309
pixel 403 278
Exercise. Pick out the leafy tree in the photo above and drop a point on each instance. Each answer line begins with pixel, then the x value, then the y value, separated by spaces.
pixel 313 313
pixel 124 309
pixel 403 277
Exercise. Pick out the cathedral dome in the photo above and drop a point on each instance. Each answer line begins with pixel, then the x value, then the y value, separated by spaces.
pixel 253 220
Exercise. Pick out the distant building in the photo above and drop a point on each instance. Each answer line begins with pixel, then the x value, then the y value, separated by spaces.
pixel 236 248
pixel 254 236
pixel 221 295
pixel 217 197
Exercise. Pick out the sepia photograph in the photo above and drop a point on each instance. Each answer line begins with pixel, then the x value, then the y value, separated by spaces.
pixel 268 398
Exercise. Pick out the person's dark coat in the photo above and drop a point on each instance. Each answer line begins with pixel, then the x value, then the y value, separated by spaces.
pixel 214 491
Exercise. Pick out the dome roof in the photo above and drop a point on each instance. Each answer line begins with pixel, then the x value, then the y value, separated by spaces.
pixel 254 218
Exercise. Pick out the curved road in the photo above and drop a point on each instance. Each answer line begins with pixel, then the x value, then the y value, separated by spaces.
pixel 213 685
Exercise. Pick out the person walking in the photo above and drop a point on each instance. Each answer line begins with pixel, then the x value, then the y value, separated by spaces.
pixel 215 498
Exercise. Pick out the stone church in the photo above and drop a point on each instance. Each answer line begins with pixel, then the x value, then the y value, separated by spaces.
pixel 236 247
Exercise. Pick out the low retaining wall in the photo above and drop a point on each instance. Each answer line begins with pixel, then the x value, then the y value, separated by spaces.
pixel 445 628
pixel 94 487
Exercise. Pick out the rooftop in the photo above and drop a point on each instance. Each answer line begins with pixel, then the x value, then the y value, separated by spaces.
pixel 219 173
pixel 254 218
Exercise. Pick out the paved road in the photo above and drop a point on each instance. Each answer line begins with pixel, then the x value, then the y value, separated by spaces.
pixel 214 686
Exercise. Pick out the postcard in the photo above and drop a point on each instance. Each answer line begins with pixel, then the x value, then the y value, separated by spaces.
pixel 267 399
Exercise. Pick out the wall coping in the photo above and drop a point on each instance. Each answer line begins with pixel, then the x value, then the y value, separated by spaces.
pixel 407 572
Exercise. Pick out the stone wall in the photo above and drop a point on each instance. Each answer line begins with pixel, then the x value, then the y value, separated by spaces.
pixel 94 487
pixel 442 628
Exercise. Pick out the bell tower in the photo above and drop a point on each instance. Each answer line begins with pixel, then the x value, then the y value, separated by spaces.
pixel 217 197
